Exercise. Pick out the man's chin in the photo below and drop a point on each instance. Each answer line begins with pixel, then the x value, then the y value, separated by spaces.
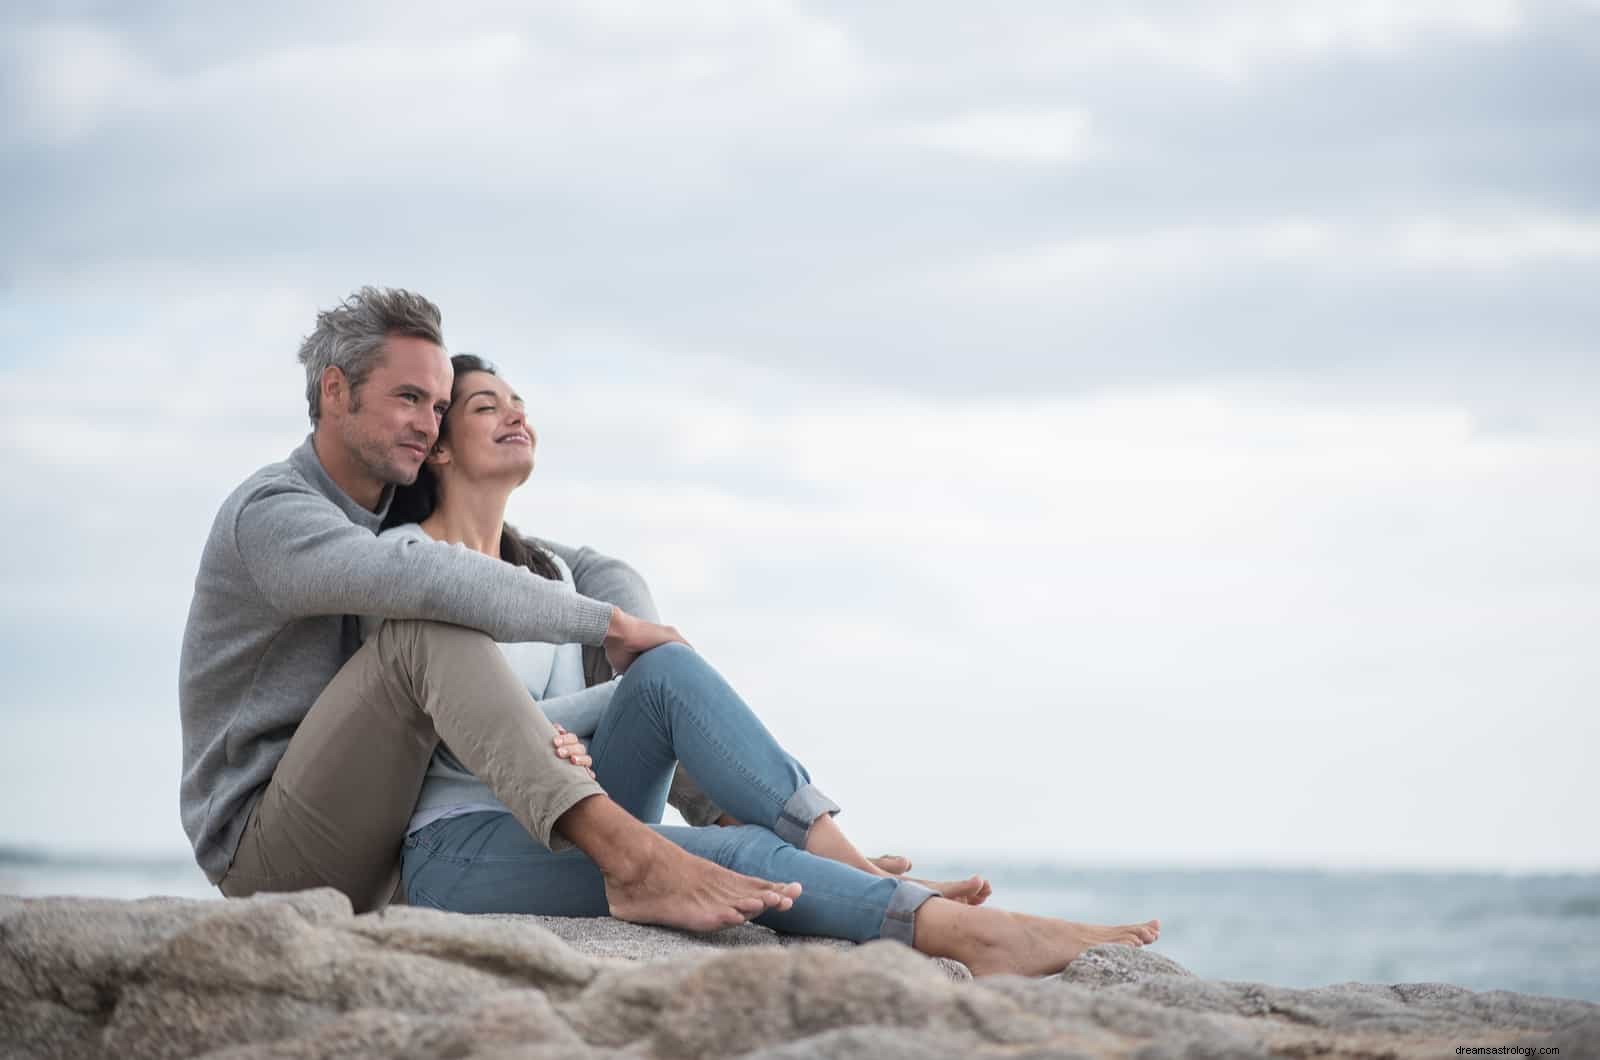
pixel 403 471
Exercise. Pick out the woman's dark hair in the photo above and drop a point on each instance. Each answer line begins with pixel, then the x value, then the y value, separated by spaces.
pixel 414 503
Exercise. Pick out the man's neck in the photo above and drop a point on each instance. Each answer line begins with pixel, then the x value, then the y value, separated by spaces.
pixel 347 473
pixel 474 519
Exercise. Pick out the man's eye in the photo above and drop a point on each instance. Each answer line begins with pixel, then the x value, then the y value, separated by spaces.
pixel 412 398
pixel 440 410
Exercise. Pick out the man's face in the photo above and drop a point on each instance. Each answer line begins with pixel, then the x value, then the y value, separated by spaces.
pixel 389 424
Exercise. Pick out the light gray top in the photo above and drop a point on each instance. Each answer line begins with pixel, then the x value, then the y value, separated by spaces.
pixel 554 676
pixel 290 559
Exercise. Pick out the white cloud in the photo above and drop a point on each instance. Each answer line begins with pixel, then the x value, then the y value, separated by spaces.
pixel 1049 137
pixel 1499 240
pixel 72 75
pixel 1235 41
pixel 560 74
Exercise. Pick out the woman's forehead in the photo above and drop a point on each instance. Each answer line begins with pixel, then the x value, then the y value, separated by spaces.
pixel 470 384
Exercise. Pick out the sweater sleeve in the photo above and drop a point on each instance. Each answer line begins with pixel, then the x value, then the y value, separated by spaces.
pixel 307 558
pixel 603 578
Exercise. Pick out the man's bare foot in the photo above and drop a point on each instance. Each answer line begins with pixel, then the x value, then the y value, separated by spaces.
pixel 674 888
pixel 995 942
pixel 650 881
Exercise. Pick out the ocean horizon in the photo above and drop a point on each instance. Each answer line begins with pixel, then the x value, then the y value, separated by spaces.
pixel 1529 932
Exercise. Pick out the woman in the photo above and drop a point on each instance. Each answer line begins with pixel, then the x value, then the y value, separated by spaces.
pixel 465 852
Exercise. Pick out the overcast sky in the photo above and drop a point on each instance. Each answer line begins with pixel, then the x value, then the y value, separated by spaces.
pixel 1126 432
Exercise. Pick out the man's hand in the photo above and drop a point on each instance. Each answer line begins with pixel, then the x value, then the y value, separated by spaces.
pixel 628 637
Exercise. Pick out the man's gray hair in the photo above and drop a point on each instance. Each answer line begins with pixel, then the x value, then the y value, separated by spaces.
pixel 350 336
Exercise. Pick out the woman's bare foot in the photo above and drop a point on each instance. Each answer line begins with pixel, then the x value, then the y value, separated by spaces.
pixel 674 888
pixel 995 942
pixel 974 890
pixel 826 840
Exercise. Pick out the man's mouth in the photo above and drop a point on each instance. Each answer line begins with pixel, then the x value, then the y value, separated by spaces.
pixel 415 447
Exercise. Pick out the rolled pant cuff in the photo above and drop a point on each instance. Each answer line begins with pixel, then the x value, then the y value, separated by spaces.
pixel 803 808
pixel 900 919
pixel 545 825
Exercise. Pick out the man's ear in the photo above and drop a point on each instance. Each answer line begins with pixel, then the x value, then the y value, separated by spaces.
pixel 334 388
pixel 438 455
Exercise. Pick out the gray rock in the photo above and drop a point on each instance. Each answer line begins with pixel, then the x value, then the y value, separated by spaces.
pixel 300 976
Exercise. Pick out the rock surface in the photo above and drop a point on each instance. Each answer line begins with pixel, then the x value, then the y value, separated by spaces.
pixel 300 976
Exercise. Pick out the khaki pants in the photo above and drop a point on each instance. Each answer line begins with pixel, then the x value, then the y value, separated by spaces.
pixel 335 811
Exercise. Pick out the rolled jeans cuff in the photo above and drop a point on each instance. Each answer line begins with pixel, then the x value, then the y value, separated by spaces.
pixel 802 809
pixel 900 919
pixel 545 816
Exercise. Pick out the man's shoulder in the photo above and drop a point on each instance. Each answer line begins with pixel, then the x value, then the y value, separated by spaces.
pixel 273 480
pixel 273 483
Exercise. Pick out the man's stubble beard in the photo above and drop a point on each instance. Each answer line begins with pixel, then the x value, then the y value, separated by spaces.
pixel 376 456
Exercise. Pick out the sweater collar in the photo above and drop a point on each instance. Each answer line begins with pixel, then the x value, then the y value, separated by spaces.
pixel 305 460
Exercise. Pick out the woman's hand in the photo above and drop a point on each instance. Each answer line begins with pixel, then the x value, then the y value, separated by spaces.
pixel 571 748
pixel 628 637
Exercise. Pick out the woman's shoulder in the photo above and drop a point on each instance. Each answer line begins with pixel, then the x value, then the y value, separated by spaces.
pixel 560 564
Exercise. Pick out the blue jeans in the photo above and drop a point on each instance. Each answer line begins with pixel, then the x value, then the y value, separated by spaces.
pixel 670 706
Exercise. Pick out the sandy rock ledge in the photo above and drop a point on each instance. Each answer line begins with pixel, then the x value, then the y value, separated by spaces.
pixel 301 976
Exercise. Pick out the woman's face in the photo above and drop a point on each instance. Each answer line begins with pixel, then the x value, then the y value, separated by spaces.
pixel 486 436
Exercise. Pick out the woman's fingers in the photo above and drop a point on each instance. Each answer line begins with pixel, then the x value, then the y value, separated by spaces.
pixel 572 749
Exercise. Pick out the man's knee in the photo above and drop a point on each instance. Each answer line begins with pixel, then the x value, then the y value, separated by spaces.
pixel 413 630
pixel 404 641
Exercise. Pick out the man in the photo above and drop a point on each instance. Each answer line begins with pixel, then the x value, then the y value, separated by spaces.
pixel 304 750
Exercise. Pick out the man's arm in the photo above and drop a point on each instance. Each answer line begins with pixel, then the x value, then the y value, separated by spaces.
pixel 600 577
pixel 307 558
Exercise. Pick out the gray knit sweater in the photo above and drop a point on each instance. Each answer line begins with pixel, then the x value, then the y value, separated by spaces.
pixel 290 560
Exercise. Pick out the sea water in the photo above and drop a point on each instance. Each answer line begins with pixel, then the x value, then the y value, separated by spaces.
pixel 1536 934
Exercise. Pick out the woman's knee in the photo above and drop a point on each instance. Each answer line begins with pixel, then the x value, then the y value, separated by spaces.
pixel 663 660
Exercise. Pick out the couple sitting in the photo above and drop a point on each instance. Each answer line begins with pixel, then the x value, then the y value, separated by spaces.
pixel 387 690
